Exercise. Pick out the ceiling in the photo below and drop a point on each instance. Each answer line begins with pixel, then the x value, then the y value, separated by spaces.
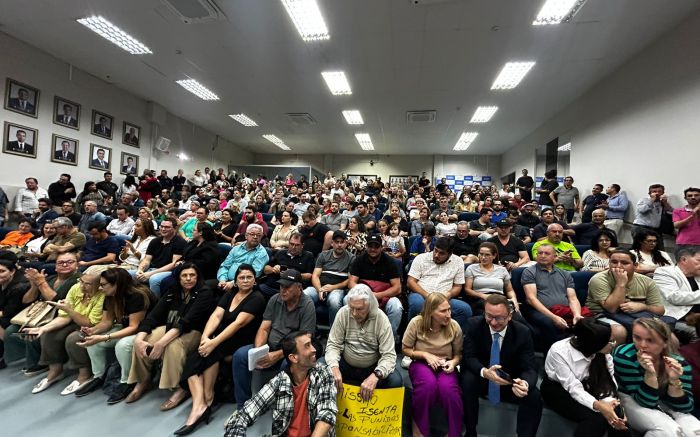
pixel 398 57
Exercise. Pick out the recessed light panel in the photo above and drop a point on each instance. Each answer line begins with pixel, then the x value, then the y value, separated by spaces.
pixel 243 119
pixel 483 114
pixel 115 35
pixel 365 141
pixel 465 140
pixel 197 89
pixel 337 82
pixel 511 75
pixel 353 117
pixel 307 18
pixel 557 11
pixel 276 141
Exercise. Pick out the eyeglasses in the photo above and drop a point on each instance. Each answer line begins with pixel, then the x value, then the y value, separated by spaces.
pixel 498 319
pixel 65 263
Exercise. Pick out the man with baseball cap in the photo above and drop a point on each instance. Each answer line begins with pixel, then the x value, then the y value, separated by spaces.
pixel 382 274
pixel 287 311
pixel 512 252
pixel 329 279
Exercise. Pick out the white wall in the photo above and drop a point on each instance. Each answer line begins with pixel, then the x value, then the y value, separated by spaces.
pixel 52 77
pixel 636 127
pixel 386 165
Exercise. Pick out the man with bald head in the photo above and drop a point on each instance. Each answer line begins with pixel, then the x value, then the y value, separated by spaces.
pixel 567 257
pixel 586 232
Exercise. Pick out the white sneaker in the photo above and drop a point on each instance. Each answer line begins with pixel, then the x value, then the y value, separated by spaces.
pixel 406 361
pixel 73 387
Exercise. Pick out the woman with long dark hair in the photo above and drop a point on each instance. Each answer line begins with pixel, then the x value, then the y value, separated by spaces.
pixel 646 246
pixel 233 324
pixel 597 258
pixel 579 384
pixel 90 192
pixel 134 250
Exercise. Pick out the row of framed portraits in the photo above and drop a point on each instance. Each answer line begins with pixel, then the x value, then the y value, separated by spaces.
pixel 24 99
pixel 23 141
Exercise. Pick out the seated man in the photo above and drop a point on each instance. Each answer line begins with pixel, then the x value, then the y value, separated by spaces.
pixel 494 343
pixel 91 215
pixel 679 286
pixel 68 208
pixel 512 252
pixel 551 297
pixel 67 239
pixel 443 206
pixel 100 247
pixel 520 232
pixel 44 213
pixel 482 226
pixel 331 275
pixel 382 274
pixel 250 217
pixel 539 232
pixel 586 232
pixel 360 348
pixel 302 398
pixel 527 217
pixel 367 217
pixel 294 257
pixel 249 253
pixel 621 295
pixel 316 236
pixel 466 245
pixel 287 311
pixel 439 271
pixel 334 219
pixel 162 255
pixel 567 257
pixel 122 226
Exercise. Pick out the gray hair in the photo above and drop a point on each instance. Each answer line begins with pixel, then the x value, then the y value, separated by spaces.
pixel 252 227
pixel 360 291
pixel 550 227
pixel 546 245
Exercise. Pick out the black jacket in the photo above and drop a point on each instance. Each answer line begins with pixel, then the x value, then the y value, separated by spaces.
pixel 173 312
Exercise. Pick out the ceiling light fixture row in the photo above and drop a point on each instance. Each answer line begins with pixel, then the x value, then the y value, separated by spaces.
pixel 557 11
pixel 276 141
pixel 306 16
pixel 483 114
pixel 197 89
pixel 465 141
pixel 364 140
pixel 243 119
pixel 353 116
pixel 115 35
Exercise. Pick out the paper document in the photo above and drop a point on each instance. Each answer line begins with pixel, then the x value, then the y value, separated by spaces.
pixel 255 355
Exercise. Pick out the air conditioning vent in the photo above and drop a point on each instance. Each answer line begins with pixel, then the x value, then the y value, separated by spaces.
pixel 421 116
pixel 195 11
pixel 300 119
pixel 162 145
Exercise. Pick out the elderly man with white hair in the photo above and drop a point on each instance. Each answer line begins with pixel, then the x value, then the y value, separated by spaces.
pixel 360 347
pixel 251 252
pixel 91 215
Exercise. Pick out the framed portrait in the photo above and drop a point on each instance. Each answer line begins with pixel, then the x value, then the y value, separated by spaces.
pixel 100 157
pixel 131 134
pixel 66 113
pixel 356 177
pixel 21 98
pixel 64 150
pixel 129 164
pixel 403 179
pixel 102 124
pixel 20 140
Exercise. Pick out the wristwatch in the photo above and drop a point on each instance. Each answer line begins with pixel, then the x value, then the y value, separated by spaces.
pixel 378 373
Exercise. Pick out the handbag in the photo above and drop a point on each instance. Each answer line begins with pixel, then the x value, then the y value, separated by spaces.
pixel 37 314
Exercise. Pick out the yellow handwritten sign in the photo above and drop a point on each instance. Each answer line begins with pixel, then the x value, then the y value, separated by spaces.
pixel 380 416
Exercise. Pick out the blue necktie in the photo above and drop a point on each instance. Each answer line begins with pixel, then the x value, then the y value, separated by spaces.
pixel 495 389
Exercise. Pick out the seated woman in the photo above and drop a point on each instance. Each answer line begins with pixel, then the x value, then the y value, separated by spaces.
pixel 357 237
pixel 171 331
pixel 282 232
pixel 213 211
pixel 444 228
pixel 487 277
pixel 597 258
pixel 187 228
pixel 134 250
pixel 395 216
pixel 82 307
pixel 203 250
pixel 18 238
pixel 579 384
pixel 13 286
pixel 226 227
pixel 424 244
pixel 36 244
pixel 233 324
pixel 126 304
pixel 434 342
pixel 422 220
pixel 654 382
pixel 645 245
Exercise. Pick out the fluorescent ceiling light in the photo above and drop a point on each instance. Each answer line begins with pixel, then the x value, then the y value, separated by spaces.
pixel 114 34
pixel 276 141
pixel 197 89
pixel 365 141
pixel 353 117
pixel 337 82
pixel 511 75
pixel 483 114
pixel 556 11
pixel 564 148
pixel 465 140
pixel 307 18
pixel 243 119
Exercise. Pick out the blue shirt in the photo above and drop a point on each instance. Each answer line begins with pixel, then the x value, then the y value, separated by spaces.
pixel 240 254
pixel 617 206
pixel 99 249
pixel 498 216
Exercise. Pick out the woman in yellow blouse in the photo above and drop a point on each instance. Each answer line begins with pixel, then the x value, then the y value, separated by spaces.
pixel 81 308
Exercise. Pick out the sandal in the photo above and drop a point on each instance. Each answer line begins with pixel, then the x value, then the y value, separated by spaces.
pixel 45 383
pixel 169 404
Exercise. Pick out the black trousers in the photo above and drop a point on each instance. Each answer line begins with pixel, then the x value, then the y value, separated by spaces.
pixel 529 407
pixel 588 422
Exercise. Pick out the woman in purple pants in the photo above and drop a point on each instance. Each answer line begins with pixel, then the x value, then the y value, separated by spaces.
pixel 434 342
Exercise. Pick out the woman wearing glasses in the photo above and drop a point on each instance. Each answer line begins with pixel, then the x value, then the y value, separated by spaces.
pixel 646 246
pixel 51 288
pixel 579 382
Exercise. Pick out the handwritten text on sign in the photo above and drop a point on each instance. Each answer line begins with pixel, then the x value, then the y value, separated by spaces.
pixel 380 416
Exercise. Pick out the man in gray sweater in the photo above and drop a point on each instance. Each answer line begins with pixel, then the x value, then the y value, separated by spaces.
pixel 360 349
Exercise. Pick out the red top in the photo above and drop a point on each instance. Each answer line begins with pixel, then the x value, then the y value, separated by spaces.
pixel 300 426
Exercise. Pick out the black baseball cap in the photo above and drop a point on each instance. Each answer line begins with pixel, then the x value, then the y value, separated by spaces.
pixel 289 277
pixel 504 223
pixel 339 234
pixel 374 239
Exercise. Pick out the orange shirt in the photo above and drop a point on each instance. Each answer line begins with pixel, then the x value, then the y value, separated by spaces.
pixel 15 238
pixel 299 426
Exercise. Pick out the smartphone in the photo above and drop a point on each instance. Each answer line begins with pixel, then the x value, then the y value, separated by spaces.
pixel 504 375
pixel 619 411
pixel 149 349
pixel 82 335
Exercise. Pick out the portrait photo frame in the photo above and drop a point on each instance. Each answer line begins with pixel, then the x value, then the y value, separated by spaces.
pixel 131 134
pixel 94 158
pixel 66 113
pixel 124 164
pixel 105 131
pixel 69 156
pixel 11 143
pixel 403 179
pixel 14 101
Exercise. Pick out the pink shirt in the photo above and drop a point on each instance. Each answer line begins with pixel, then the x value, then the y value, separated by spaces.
pixel 690 233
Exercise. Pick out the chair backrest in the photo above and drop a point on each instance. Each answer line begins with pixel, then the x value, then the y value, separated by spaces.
pixel 581 280
pixel 580 248
pixel 515 276
pixel 224 249
pixel 267 217
pixel 468 216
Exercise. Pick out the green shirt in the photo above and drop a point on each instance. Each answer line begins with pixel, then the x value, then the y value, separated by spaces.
pixel 560 248
pixel 640 289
